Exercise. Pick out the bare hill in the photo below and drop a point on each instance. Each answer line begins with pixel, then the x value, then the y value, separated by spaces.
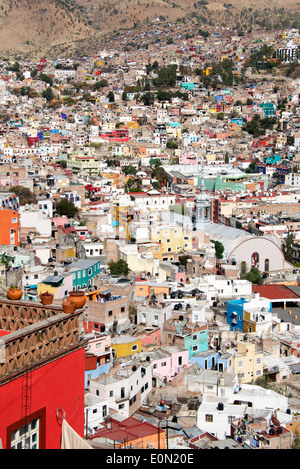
pixel 35 27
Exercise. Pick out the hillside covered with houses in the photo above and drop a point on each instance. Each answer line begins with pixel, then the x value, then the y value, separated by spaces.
pixel 150 243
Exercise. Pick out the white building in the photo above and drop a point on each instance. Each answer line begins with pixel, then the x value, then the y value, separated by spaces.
pixel 154 315
pixel 292 179
pixel 96 410
pixel 216 412
pixel 93 249
pixel 126 389
pixel 37 220
pixel 215 416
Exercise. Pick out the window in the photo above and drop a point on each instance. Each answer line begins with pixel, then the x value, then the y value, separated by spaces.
pixel 110 313
pixel 97 392
pixel 26 437
pixel 258 361
pixel 255 259
pixel 164 364
pixel 240 364
pixel 122 309
pixel 131 401
pixel 121 406
pixel 209 418
pixel 267 265
pixel 111 393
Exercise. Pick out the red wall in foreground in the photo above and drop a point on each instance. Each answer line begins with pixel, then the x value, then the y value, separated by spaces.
pixel 57 385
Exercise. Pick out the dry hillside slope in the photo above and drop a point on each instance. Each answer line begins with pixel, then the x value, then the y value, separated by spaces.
pixel 81 26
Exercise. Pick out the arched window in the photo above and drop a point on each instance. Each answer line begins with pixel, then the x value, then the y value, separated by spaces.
pixel 255 259
pixel 243 267
pixel 267 265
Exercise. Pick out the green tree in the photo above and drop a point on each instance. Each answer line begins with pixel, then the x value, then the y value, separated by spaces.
pixel 166 77
pixel 172 145
pixel 46 79
pixel 148 98
pixel 48 94
pixel 111 97
pixel 254 276
pixel 251 167
pixel 219 248
pixel 287 246
pixel 66 207
pixel 118 268
pixel 129 169
pixel 100 84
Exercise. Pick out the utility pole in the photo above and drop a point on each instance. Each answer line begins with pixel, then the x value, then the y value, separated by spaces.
pixel 167 435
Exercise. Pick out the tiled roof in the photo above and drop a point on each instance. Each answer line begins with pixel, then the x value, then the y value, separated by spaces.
pixel 275 292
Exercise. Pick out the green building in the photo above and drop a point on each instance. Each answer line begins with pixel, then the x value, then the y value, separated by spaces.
pixel 84 271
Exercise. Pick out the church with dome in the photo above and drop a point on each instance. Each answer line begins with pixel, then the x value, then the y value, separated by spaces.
pixel 244 249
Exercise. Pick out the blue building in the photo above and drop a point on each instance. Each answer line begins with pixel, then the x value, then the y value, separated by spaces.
pixel 94 373
pixel 235 314
pixel 207 360
pixel 211 360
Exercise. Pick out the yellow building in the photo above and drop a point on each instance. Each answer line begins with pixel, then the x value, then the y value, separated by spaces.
pixel 59 285
pixel 173 239
pixel 80 163
pixel 125 346
pixel 248 362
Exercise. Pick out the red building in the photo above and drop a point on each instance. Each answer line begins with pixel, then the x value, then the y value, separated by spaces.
pixel 42 365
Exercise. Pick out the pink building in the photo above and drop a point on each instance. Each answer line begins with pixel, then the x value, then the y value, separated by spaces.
pixel 168 362
pixel 190 157
pixel 150 336
pixel 99 346
pixel 60 221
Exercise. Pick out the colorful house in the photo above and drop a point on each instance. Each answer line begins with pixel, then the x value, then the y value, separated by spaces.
pixel 9 227
pixel 125 346
pixel 84 272
pixel 43 385
pixel 59 285
pixel 247 362
pixel 131 433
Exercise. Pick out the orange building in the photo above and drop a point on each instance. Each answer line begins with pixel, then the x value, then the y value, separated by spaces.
pixel 146 289
pixel 9 227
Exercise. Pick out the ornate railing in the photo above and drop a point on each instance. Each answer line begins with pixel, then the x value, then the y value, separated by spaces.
pixel 33 333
